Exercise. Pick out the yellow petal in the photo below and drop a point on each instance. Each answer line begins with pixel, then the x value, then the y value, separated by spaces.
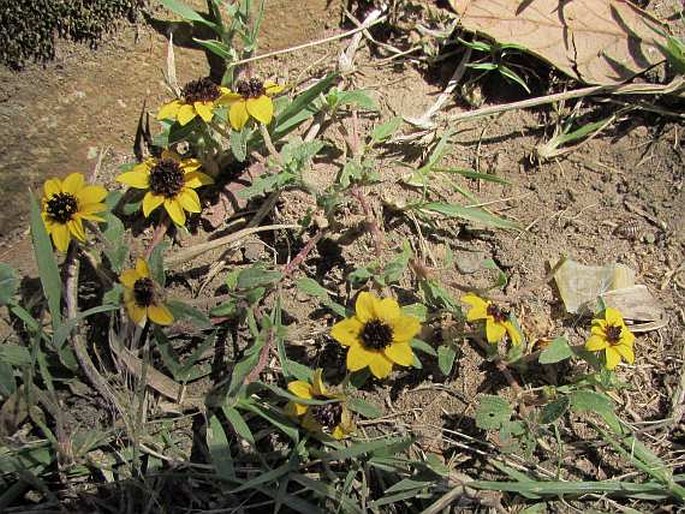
pixel 150 202
pixel 380 366
pixel 401 354
pixel 613 317
pixel 175 211
pixel 142 268
pixel 237 115
pixel 626 352
pixel 188 165
pixel 260 108
pixel 169 111
pixel 135 179
pixel 195 179
pixel 87 211
pixel 228 97
pixel 346 332
pixel 295 410
pixel 338 433
pixel 598 328
pixel 479 307
pixel 514 335
pixel 205 110
pixel 272 88
pixel 365 306
pixel 388 310
pixel 612 357
pixel 359 357
pixel 137 313
pixel 494 332
pixel 301 389
pixel 52 187
pixel 596 343
pixel 92 195
pixel 185 114
pixel 75 227
pixel 129 277
pixel 60 236
pixel 405 328
pixel 73 183
pixel 318 388
pixel 627 337
pixel 159 314
pixel 189 200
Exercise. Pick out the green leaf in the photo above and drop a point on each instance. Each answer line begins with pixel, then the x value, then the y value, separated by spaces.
pixel 296 370
pixel 492 412
pixel 182 310
pixel 255 277
pixel 312 287
pixel 62 332
pixel 417 310
pixel 276 419
pixel 9 282
pixel 239 425
pixel 365 408
pixel 446 356
pixel 47 267
pixel 422 346
pixel 156 263
pixel 15 355
pixel 7 383
pixel 385 130
pixel 217 48
pixel 381 447
pixel 239 144
pixel 557 351
pixel 220 449
pixel 554 410
pixel 468 213
pixel 359 98
pixel 116 251
pixel 188 14
pixel 301 108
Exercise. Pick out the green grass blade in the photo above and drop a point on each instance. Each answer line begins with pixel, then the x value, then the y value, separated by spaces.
pixel 468 213
pixel 47 267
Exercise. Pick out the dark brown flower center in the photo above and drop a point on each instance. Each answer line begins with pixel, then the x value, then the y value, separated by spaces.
pixel 61 207
pixel 202 90
pixel 498 313
pixel 252 88
pixel 166 178
pixel 376 335
pixel 144 292
pixel 327 415
pixel 613 334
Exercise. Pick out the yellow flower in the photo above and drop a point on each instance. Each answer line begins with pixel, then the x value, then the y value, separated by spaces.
pixel 378 335
pixel 142 296
pixel 171 181
pixel 66 203
pixel 251 98
pixel 330 418
pixel 198 98
pixel 497 323
pixel 611 335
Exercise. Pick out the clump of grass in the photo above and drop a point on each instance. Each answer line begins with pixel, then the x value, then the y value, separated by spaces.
pixel 29 28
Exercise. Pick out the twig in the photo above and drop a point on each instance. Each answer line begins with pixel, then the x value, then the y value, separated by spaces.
pixel 263 359
pixel 310 44
pixel 371 224
pixel 302 255
pixel 158 235
pixel 269 143
pixel 194 251
pixel 676 86
pixel 78 343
